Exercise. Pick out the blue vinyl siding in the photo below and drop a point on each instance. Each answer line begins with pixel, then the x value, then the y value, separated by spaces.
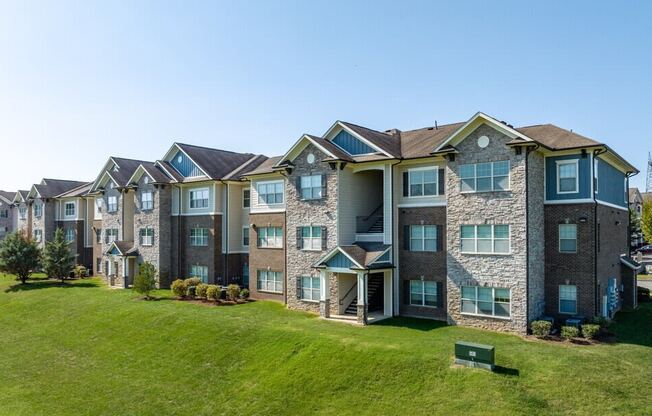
pixel 584 177
pixel 352 145
pixel 383 259
pixel 611 184
pixel 185 167
pixel 341 261
pixel 115 252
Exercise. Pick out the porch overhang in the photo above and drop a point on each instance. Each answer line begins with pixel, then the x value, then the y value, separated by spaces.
pixel 122 249
pixel 357 257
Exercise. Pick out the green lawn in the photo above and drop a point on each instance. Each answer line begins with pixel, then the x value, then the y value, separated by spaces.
pixel 644 277
pixel 86 349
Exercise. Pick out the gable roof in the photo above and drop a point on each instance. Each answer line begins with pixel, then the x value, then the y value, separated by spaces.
pixel 634 193
pixel 21 195
pixel 8 197
pixel 362 255
pixel 387 142
pixel 153 171
pixel 556 138
pixel 421 142
pixel 266 167
pixel 216 163
pixel 78 191
pixel 126 168
pixel 50 188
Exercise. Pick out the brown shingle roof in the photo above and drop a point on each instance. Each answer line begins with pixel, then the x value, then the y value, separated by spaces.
pixel 365 253
pixel 215 162
pixel 155 172
pixel 389 143
pixel 8 196
pixel 79 191
pixel 126 168
pixel 555 137
pixel 422 142
pixel 264 167
pixel 54 187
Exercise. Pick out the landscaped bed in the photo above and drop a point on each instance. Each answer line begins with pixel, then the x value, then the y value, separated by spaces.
pixel 79 348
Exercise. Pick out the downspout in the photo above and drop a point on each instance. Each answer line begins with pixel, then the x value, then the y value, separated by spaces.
pixel 394 249
pixel 179 276
pixel 597 297
pixel 226 233
pixel 285 234
pixel 528 150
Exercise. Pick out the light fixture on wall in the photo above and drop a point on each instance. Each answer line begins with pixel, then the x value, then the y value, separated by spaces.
pixel 583 220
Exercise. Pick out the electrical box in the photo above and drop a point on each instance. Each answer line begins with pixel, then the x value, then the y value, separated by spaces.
pixel 475 355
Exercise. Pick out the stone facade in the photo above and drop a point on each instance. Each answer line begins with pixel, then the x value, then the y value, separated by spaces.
pixel 8 222
pixel 507 271
pixel 97 248
pixel 112 220
pixel 272 259
pixel 24 224
pixel 321 212
pixel 46 221
pixel 536 238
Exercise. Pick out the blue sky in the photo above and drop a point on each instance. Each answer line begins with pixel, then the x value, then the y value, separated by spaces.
pixel 83 80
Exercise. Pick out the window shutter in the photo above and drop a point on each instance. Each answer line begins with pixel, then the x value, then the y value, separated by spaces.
pixel 440 238
pixel 324 238
pixel 298 287
pixel 299 240
pixel 153 236
pixel 324 185
pixel 257 239
pixel 140 237
pixel 298 186
pixel 442 184
pixel 440 295
pixel 406 292
pixel 406 183
pixel 406 237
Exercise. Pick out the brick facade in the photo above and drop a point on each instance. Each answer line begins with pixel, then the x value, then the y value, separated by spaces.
pixel 184 255
pixel 272 259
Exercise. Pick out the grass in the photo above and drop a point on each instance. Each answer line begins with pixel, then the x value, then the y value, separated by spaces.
pixel 81 348
pixel 644 277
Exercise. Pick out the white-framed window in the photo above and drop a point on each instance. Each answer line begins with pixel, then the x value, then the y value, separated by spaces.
pixel 423 182
pixel 270 193
pixel 69 235
pixel 111 235
pixel 112 204
pixel 98 208
pixel 146 200
pixel 38 210
pixel 568 299
pixel 423 293
pixel 147 236
pixel 484 177
pixel 69 209
pixel 567 177
pixel 245 236
pixel 199 198
pixel 4 213
pixel 486 301
pixel 199 236
pixel 310 288
pixel 269 281
pixel 596 182
pixel 568 238
pixel 423 238
pixel 38 235
pixel 485 239
pixel 98 265
pixel 246 198
pixel 310 238
pixel 199 271
pixel 98 235
pixel 270 237
pixel 22 212
pixel 311 187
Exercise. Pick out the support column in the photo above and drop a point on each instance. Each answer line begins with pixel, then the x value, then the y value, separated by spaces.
pixel 324 295
pixel 362 298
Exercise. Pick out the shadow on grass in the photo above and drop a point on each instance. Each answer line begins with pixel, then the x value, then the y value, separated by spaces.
pixel 412 323
pixel 634 327
pixel 513 372
pixel 44 283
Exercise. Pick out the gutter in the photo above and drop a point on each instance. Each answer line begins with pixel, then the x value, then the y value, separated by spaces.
pixel 596 309
pixel 226 235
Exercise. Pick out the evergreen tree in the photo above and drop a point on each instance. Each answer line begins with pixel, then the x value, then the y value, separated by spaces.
pixel 145 280
pixel 58 260
pixel 19 255
pixel 646 220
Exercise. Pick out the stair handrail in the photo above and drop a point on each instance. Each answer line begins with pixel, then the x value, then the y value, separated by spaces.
pixel 348 292
pixel 378 208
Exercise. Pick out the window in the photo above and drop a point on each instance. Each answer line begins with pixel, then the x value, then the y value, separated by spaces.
pixel 245 236
pixel 69 210
pixel 310 238
pixel 596 183
pixel 246 198
pixel 567 181
pixel 482 177
pixel 4 214
pixel 423 238
pixel 98 265
pixel 488 301
pixel 111 235
pixel 270 237
pixel 270 193
pixel 568 238
pixel 423 293
pixel 98 235
pixel 310 288
pixel 423 182
pixel 70 235
pixel 568 299
pixel 245 275
pixel 147 236
pixel 485 239
pixel 38 235
pixel 199 236
pixel 199 271
pixel 112 204
pixel 199 198
pixel 268 281
pixel 311 187
pixel 38 210
pixel 22 212
pixel 146 201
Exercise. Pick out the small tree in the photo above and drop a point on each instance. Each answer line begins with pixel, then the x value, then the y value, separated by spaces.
pixel 19 255
pixel 58 261
pixel 145 280
pixel 646 220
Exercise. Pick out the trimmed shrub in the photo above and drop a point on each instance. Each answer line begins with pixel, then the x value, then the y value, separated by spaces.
pixel 212 292
pixel 80 271
pixel 643 294
pixel 244 294
pixel 193 281
pixel 601 321
pixel 200 291
pixel 541 329
pixel 569 332
pixel 191 292
pixel 590 331
pixel 232 292
pixel 179 288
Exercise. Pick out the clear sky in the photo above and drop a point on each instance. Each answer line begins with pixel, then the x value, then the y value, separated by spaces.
pixel 83 80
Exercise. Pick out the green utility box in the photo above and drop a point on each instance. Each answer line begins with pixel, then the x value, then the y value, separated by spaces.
pixel 474 355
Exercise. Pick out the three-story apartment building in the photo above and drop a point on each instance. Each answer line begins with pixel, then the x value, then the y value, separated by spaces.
pixel 8 214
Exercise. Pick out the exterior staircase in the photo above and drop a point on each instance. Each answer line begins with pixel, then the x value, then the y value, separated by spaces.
pixel 374 295
pixel 377 226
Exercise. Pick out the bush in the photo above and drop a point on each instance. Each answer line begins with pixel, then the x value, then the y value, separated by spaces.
pixel 601 321
pixel 193 281
pixel 212 292
pixel 200 290
pixel 643 294
pixel 145 280
pixel 590 331
pixel 569 332
pixel 80 271
pixel 179 288
pixel 191 292
pixel 244 294
pixel 541 328
pixel 232 292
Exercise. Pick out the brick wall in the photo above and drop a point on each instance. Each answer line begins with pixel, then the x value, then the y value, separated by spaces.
pixel 184 255
pixel 612 226
pixel 266 258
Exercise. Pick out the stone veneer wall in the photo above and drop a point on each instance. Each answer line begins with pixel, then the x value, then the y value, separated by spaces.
pixel 112 220
pixel 7 225
pixel 97 247
pixel 321 212
pixel 266 258
pixel 536 238
pixel 24 225
pixel 505 207
pixel 46 222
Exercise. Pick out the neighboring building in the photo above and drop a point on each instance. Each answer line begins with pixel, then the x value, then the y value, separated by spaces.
pixel 8 214
pixel 23 212
pixel 73 214
pixel 636 206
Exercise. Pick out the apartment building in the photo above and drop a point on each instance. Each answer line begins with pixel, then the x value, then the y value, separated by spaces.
pixel 8 214
pixel 23 212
